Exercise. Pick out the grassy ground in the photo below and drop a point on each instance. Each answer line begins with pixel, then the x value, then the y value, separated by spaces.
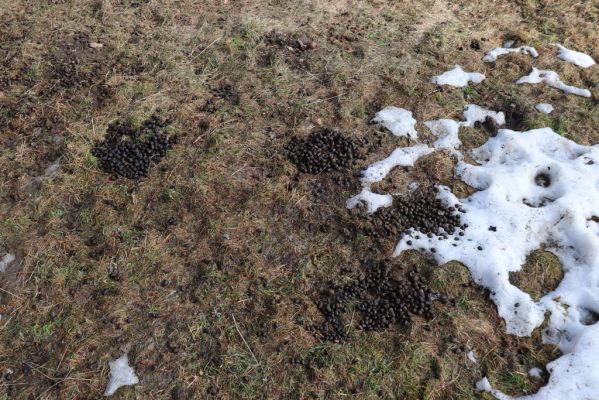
pixel 217 305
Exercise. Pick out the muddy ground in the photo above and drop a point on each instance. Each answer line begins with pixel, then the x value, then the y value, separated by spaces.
pixel 207 271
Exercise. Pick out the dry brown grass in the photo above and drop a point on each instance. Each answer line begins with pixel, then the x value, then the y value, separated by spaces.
pixel 100 269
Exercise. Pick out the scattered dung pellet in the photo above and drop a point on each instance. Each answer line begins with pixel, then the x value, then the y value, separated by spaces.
pixel 379 301
pixel 420 211
pixel 480 248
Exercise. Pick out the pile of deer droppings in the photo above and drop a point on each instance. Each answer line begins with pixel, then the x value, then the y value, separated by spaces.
pixel 325 150
pixel 130 151
pixel 377 300
pixel 420 212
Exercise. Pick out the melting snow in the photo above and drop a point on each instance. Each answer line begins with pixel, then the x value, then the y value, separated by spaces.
pixel 474 113
pixel 121 374
pixel 53 168
pixel 447 132
pixel 374 201
pixel 471 356
pixel 483 385
pixel 575 57
pixel 545 108
pixel 6 261
pixel 499 51
pixel 403 156
pixel 552 79
pixel 399 121
pixel 536 188
pixel 535 373
pixel 458 77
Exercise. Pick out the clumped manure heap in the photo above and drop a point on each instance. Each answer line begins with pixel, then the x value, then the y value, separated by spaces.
pixel 324 150
pixel 420 211
pixel 129 152
pixel 379 299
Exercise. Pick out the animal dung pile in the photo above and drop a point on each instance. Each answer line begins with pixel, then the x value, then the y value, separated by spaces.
pixel 290 42
pixel 421 211
pixel 379 300
pixel 324 150
pixel 129 152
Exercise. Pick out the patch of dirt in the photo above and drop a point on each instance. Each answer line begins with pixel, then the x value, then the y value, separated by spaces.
pixel 516 113
pixel 516 116
pixel 75 64
pixel 295 50
pixel 226 91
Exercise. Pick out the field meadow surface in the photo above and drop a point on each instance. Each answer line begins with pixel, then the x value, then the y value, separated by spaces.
pixel 207 271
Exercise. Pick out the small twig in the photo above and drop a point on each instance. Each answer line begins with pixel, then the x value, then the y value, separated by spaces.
pixel 206 48
pixel 321 100
pixel 242 338
pixel 214 129
pixel 240 169
pixel 11 293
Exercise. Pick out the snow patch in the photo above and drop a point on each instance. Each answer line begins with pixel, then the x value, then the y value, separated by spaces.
pixel 499 51
pixel 575 57
pixel 402 156
pixel 471 356
pixel 551 78
pixel 447 132
pixel 483 385
pixel 121 374
pixel 545 108
pixel 458 77
pixel 573 376
pixel 474 113
pixel 373 201
pixel 7 259
pixel 535 189
pixel 53 168
pixel 398 120
pixel 535 373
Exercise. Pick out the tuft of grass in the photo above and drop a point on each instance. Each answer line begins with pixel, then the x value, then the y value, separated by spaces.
pixel 540 274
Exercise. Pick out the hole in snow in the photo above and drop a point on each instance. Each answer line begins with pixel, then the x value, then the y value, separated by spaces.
pixel 541 273
pixel 587 316
pixel 543 179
